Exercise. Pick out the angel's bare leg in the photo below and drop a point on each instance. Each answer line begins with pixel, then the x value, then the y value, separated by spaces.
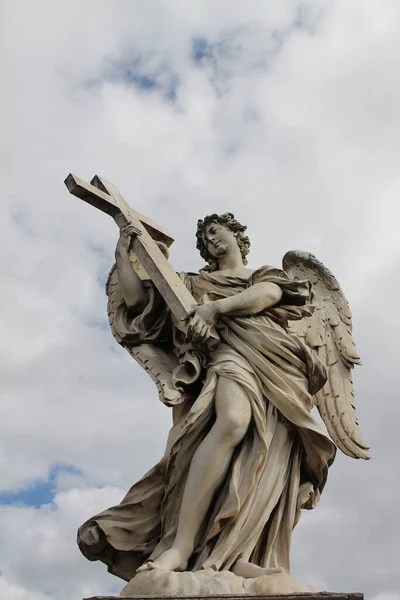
pixel 208 469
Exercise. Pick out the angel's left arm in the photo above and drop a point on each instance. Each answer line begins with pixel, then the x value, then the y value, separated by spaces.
pixel 251 301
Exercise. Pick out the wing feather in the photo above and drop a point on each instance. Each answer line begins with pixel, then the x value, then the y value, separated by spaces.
pixel 158 363
pixel 328 331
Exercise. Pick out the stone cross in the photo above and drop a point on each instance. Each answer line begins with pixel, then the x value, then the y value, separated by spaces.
pixel 104 195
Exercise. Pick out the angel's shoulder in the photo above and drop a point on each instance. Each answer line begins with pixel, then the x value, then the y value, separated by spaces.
pixel 268 272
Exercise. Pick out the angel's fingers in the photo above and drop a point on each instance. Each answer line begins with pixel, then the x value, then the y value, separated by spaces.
pixel 207 334
pixel 199 330
pixel 203 334
pixel 132 230
pixel 195 334
pixel 190 330
pixel 206 328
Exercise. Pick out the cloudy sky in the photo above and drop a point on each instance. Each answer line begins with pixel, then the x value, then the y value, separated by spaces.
pixel 285 113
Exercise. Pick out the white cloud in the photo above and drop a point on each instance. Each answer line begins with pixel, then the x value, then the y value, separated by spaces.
pixel 293 126
pixel 38 553
pixel 15 592
pixel 387 596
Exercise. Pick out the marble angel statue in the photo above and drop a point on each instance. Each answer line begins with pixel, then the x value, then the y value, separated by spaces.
pixel 244 454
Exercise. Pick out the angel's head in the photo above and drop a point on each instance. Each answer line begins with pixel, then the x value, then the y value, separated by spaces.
pixel 217 235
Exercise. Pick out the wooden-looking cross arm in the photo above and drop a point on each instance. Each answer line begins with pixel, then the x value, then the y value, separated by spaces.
pixel 96 193
pixel 104 196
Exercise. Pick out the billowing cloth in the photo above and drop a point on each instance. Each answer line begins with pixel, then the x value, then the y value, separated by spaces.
pixel 280 466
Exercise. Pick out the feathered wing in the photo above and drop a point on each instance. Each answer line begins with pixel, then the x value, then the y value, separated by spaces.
pixel 158 363
pixel 329 332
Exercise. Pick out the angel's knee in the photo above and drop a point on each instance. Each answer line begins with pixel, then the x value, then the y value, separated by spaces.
pixel 233 412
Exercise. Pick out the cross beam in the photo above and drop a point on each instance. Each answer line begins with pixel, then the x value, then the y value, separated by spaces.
pixel 98 195
pixel 104 195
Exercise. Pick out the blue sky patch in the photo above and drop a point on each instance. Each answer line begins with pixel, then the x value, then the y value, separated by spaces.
pixel 39 492
pixel 201 49
pixel 148 74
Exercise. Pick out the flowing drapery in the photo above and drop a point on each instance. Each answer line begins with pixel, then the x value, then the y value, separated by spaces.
pixel 279 467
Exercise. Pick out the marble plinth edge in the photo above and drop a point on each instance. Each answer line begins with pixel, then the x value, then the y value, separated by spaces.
pixel 300 596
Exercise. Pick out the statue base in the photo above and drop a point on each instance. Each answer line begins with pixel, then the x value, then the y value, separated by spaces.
pixel 207 583
pixel 299 596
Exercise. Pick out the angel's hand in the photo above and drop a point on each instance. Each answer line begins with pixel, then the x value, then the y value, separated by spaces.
pixel 125 237
pixel 202 319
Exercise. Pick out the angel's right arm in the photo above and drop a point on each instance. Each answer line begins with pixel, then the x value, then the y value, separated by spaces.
pixel 132 288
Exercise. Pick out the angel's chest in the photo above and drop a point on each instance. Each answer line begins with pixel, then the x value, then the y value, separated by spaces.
pixel 214 291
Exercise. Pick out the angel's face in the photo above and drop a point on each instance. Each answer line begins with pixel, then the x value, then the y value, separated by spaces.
pixel 219 240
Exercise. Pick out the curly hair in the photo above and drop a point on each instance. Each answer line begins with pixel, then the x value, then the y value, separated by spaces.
pixel 227 220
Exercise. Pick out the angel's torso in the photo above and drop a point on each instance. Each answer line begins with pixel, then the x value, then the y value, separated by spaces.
pixel 217 284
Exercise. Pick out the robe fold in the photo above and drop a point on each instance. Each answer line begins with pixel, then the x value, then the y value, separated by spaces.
pixel 280 466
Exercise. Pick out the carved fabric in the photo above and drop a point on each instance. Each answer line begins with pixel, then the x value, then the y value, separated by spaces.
pixel 280 467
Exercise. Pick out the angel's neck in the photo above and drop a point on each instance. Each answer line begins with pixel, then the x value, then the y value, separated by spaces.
pixel 231 261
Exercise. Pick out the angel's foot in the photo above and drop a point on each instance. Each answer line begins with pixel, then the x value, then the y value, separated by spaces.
pixel 248 570
pixel 170 560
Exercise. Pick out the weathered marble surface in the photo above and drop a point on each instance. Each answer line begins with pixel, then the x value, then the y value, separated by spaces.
pixel 241 356
pixel 299 596
pixel 210 583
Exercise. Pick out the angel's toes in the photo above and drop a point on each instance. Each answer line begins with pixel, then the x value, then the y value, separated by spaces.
pixel 147 566
pixel 273 570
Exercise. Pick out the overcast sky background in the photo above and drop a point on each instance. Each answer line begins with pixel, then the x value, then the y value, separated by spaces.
pixel 283 112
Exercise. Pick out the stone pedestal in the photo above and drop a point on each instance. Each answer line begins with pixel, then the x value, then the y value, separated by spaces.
pixel 207 583
pixel 302 596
